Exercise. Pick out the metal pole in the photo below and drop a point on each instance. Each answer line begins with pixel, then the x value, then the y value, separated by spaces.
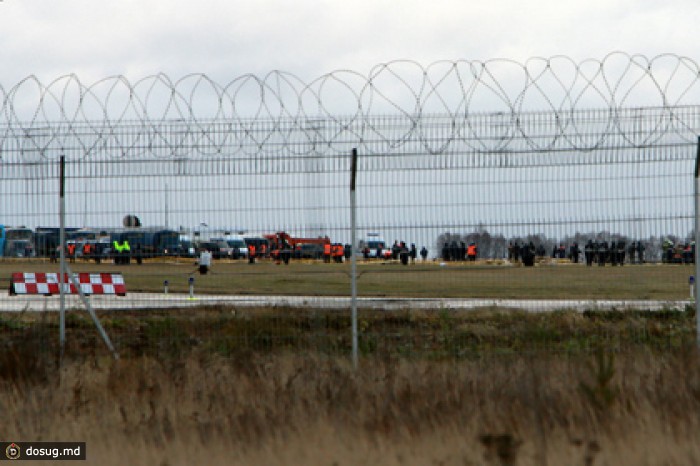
pixel 62 255
pixel 697 244
pixel 167 194
pixel 96 321
pixel 353 258
pixel 67 273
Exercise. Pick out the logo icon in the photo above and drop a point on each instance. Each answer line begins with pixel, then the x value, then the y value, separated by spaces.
pixel 12 451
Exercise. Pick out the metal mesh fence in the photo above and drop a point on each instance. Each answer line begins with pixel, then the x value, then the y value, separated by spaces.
pixel 468 173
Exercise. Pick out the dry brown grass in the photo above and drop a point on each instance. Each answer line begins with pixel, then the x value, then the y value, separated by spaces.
pixel 307 409
pixel 456 280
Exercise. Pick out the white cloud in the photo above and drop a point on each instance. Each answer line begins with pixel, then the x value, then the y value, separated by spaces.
pixel 226 39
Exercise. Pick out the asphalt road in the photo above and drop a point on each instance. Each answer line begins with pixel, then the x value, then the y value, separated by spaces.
pixel 134 301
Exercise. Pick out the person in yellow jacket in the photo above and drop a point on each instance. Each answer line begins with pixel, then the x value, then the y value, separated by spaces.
pixel 122 252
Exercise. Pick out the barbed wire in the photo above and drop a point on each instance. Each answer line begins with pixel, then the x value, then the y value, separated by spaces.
pixel 488 106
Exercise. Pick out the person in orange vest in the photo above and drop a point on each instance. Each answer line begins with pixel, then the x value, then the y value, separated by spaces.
pixel 275 254
pixel 251 254
pixel 263 250
pixel 71 251
pixel 87 251
pixel 327 252
pixel 338 253
pixel 471 252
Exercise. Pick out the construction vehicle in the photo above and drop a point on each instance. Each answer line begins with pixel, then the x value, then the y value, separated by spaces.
pixel 302 248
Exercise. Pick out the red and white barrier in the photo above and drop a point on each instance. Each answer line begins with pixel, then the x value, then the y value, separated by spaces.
pixel 47 283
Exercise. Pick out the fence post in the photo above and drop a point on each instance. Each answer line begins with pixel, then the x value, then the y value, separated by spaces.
pixel 697 243
pixel 62 256
pixel 66 275
pixel 353 258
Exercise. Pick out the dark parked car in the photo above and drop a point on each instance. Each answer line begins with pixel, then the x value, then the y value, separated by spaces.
pixel 218 249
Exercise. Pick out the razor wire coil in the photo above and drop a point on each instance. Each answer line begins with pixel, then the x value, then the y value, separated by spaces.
pixel 494 106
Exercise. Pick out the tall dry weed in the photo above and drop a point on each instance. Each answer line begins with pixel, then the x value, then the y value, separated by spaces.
pixel 315 409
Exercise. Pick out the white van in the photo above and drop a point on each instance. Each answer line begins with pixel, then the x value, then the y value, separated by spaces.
pixel 239 249
pixel 374 242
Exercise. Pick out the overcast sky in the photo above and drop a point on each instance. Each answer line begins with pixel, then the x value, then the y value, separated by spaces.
pixel 228 38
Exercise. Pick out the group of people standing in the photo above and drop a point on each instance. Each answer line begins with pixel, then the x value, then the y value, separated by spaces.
pixel 526 252
pixel 336 252
pixel 459 251
pixel 598 252
pixel 678 253
pixel 614 253
pixel 399 251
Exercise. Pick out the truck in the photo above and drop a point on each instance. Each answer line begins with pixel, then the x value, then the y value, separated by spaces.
pixel 301 248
